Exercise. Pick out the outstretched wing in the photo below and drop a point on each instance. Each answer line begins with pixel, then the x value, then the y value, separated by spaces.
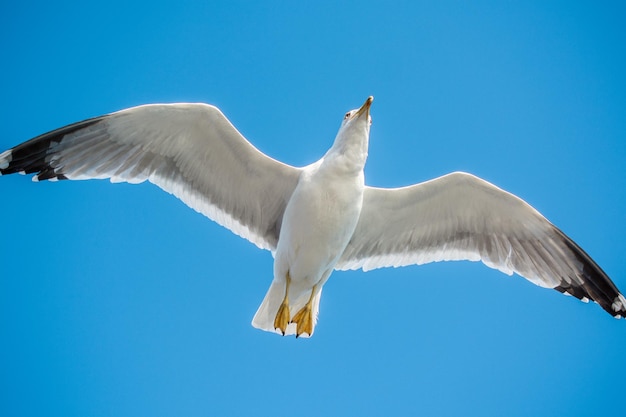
pixel 461 217
pixel 189 150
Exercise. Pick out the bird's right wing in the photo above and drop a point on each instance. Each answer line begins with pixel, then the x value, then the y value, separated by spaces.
pixel 189 150
pixel 461 217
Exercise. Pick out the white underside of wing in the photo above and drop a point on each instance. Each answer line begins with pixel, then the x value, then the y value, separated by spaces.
pixel 191 151
pixel 458 217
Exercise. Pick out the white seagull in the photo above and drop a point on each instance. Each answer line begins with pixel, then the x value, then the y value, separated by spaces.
pixel 317 218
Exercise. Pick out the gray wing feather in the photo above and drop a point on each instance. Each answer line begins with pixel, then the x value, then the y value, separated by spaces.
pixel 461 217
pixel 189 150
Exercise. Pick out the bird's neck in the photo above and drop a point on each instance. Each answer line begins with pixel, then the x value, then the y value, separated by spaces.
pixel 349 152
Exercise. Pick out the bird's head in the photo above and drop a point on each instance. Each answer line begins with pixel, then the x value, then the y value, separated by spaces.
pixel 353 136
pixel 358 119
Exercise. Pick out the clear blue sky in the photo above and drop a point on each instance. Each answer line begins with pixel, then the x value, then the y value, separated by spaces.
pixel 118 300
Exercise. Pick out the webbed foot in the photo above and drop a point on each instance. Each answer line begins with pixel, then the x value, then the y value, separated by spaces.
pixel 282 316
pixel 304 317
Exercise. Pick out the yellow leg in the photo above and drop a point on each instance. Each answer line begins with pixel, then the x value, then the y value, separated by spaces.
pixel 282 317
pixel 304 317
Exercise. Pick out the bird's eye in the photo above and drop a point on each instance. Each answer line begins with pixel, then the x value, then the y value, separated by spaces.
pixel 347 116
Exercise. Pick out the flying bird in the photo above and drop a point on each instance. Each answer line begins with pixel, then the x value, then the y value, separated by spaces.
pixel 318 218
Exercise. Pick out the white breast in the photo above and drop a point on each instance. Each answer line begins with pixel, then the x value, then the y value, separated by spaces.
pixel 318 224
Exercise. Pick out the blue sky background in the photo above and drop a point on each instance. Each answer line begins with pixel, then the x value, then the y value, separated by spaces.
pixel 121 301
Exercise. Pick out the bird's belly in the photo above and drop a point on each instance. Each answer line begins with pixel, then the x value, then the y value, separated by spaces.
pixel 317 226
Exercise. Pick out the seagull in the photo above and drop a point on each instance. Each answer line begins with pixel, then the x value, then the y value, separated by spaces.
pixel 318 218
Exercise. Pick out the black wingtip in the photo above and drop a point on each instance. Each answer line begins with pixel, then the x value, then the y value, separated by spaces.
pixel 596 285
pixel 31 156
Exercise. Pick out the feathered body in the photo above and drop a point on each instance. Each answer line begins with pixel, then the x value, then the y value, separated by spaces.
pixel 319 221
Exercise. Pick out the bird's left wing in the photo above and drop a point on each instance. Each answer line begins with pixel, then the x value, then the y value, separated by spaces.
pixel 189 150
pixel 461 217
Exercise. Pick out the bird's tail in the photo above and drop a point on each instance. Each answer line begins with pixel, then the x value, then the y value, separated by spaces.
pixel 265 315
